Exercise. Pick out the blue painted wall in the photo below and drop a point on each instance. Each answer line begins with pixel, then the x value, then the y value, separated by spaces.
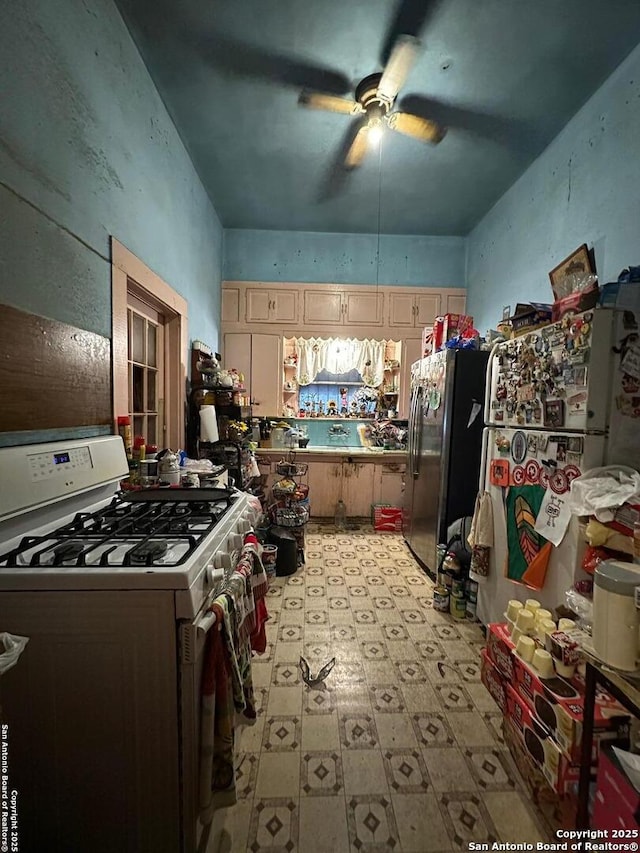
pixel 306 256
pixel 582 189
pixel 87 149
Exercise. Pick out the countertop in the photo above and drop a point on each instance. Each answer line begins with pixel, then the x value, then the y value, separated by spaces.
pixel 336 450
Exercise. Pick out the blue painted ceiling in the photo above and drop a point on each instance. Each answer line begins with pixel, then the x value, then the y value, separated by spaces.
pixel 503 75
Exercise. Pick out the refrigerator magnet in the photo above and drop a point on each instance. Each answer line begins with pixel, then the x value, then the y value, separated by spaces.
pixel 554 413
pixel 575 444
pixel 499 472
pixel 577 403
pixel 519 447
pixel 543 440
pixel 532 445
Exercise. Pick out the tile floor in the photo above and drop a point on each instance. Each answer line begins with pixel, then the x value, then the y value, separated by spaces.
pixel 402 750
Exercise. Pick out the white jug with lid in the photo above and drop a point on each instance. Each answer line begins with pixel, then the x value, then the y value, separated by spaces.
pixel 169 468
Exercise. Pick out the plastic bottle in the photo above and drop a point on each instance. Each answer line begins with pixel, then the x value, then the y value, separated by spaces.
pixel 340 518
pixel 124 430
pixel 636 542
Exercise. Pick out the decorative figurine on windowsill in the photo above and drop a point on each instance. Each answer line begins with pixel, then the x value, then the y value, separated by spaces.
pixel 332 408
pixel 343 401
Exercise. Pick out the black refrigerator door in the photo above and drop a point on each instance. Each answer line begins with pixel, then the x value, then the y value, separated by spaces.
pixel 462 439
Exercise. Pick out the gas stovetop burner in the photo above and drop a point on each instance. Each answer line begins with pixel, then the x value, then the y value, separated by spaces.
pixel 148 552
pixel 67 552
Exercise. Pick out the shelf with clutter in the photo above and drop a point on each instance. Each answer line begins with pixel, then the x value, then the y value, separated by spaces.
pixel 219 423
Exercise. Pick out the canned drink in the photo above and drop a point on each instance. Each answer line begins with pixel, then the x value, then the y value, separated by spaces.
pixel 457 607
pixel 441 551
pixel 457 587
pixel 470 611
pixel 441 599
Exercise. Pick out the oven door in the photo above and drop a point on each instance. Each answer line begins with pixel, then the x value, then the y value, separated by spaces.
pixel 192 641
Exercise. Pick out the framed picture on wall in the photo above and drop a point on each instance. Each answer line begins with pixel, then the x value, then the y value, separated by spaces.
pixel 577 266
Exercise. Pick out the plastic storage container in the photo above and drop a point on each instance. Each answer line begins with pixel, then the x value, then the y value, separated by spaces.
pixel 340 516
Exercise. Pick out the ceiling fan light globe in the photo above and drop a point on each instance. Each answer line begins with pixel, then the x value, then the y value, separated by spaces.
pixel 375 134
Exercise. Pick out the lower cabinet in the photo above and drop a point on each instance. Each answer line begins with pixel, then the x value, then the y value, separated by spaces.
pixel 359 483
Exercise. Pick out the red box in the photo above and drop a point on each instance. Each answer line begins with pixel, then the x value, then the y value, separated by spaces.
pixel 625 517
pixel 542 749
pixel 559 810
pixel 559 705
pixel 387 519
pixel 495 683
pixel 500 649
pixel 575 303
pixel 427 341
pixel 449 326
pixel 617 803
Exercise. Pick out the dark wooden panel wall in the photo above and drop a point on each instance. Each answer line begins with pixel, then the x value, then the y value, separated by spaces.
pixel 51 375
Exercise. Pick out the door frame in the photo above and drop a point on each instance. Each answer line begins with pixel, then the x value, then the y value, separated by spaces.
pixel 125 267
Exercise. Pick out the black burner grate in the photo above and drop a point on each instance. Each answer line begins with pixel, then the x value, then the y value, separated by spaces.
pixel 123 534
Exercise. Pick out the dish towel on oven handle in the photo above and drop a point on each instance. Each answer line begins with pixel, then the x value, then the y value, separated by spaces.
pixel 217 783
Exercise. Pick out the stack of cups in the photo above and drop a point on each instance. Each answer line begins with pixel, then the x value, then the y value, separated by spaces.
pixel 513 608
pixel 543 663
pixel 525 625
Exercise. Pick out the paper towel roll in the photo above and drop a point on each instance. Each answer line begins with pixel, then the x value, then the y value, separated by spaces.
pixel 208 424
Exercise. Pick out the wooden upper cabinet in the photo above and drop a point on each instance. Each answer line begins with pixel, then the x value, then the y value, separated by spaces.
pixel 456 303
pixel 413 310
pixel 427 309
pixel 230 305
pixel 362 308
pixel 271 306
pixel 402 309
pixel 342 308
pixel 322 307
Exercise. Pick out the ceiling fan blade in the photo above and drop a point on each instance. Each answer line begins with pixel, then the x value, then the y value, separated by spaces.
pixel 319 101
pixel 245 60
pixel 510 132
pixel 420 128
pixel 411 19
pixel 336 177
pixel 358 149
pixel 397 69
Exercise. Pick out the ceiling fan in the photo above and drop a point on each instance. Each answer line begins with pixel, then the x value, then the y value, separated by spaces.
pixel 375 96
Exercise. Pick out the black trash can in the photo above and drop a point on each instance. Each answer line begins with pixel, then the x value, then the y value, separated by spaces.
pixel 287 562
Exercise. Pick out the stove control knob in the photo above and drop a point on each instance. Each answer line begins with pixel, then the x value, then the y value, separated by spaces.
pixel 234 542
pixel 221 560
pixel 244 525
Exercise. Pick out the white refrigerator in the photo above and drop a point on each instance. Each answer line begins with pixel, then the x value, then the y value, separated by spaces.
pixel 559 401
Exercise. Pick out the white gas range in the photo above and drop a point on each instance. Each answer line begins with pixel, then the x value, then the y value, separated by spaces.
pixel 103 706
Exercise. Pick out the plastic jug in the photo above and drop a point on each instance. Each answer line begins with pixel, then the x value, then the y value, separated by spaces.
pixel 340 517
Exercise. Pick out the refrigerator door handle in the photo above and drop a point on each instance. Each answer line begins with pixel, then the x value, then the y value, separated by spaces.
pixel 488 383
pixel 412 431
pixel 417 434
pixel 409 437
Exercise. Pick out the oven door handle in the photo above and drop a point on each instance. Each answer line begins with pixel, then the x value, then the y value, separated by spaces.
pixel 205 623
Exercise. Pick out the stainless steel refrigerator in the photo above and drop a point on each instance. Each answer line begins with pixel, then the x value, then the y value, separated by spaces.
pixel 444 447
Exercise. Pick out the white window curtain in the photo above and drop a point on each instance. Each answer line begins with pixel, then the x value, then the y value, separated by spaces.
pixel 339 355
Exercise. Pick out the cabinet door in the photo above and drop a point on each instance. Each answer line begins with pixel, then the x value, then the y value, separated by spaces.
pixel 230 305
pixel 362 308
pixel 427 308
pixel 284 306
pixel 258 305
pixel 322 307
pixel 236 352
pixel 401 309
pixel 357 488
pixel 411 352
pixel 325 483
pixel 456 303
pixel 392 483
pixel 266 375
